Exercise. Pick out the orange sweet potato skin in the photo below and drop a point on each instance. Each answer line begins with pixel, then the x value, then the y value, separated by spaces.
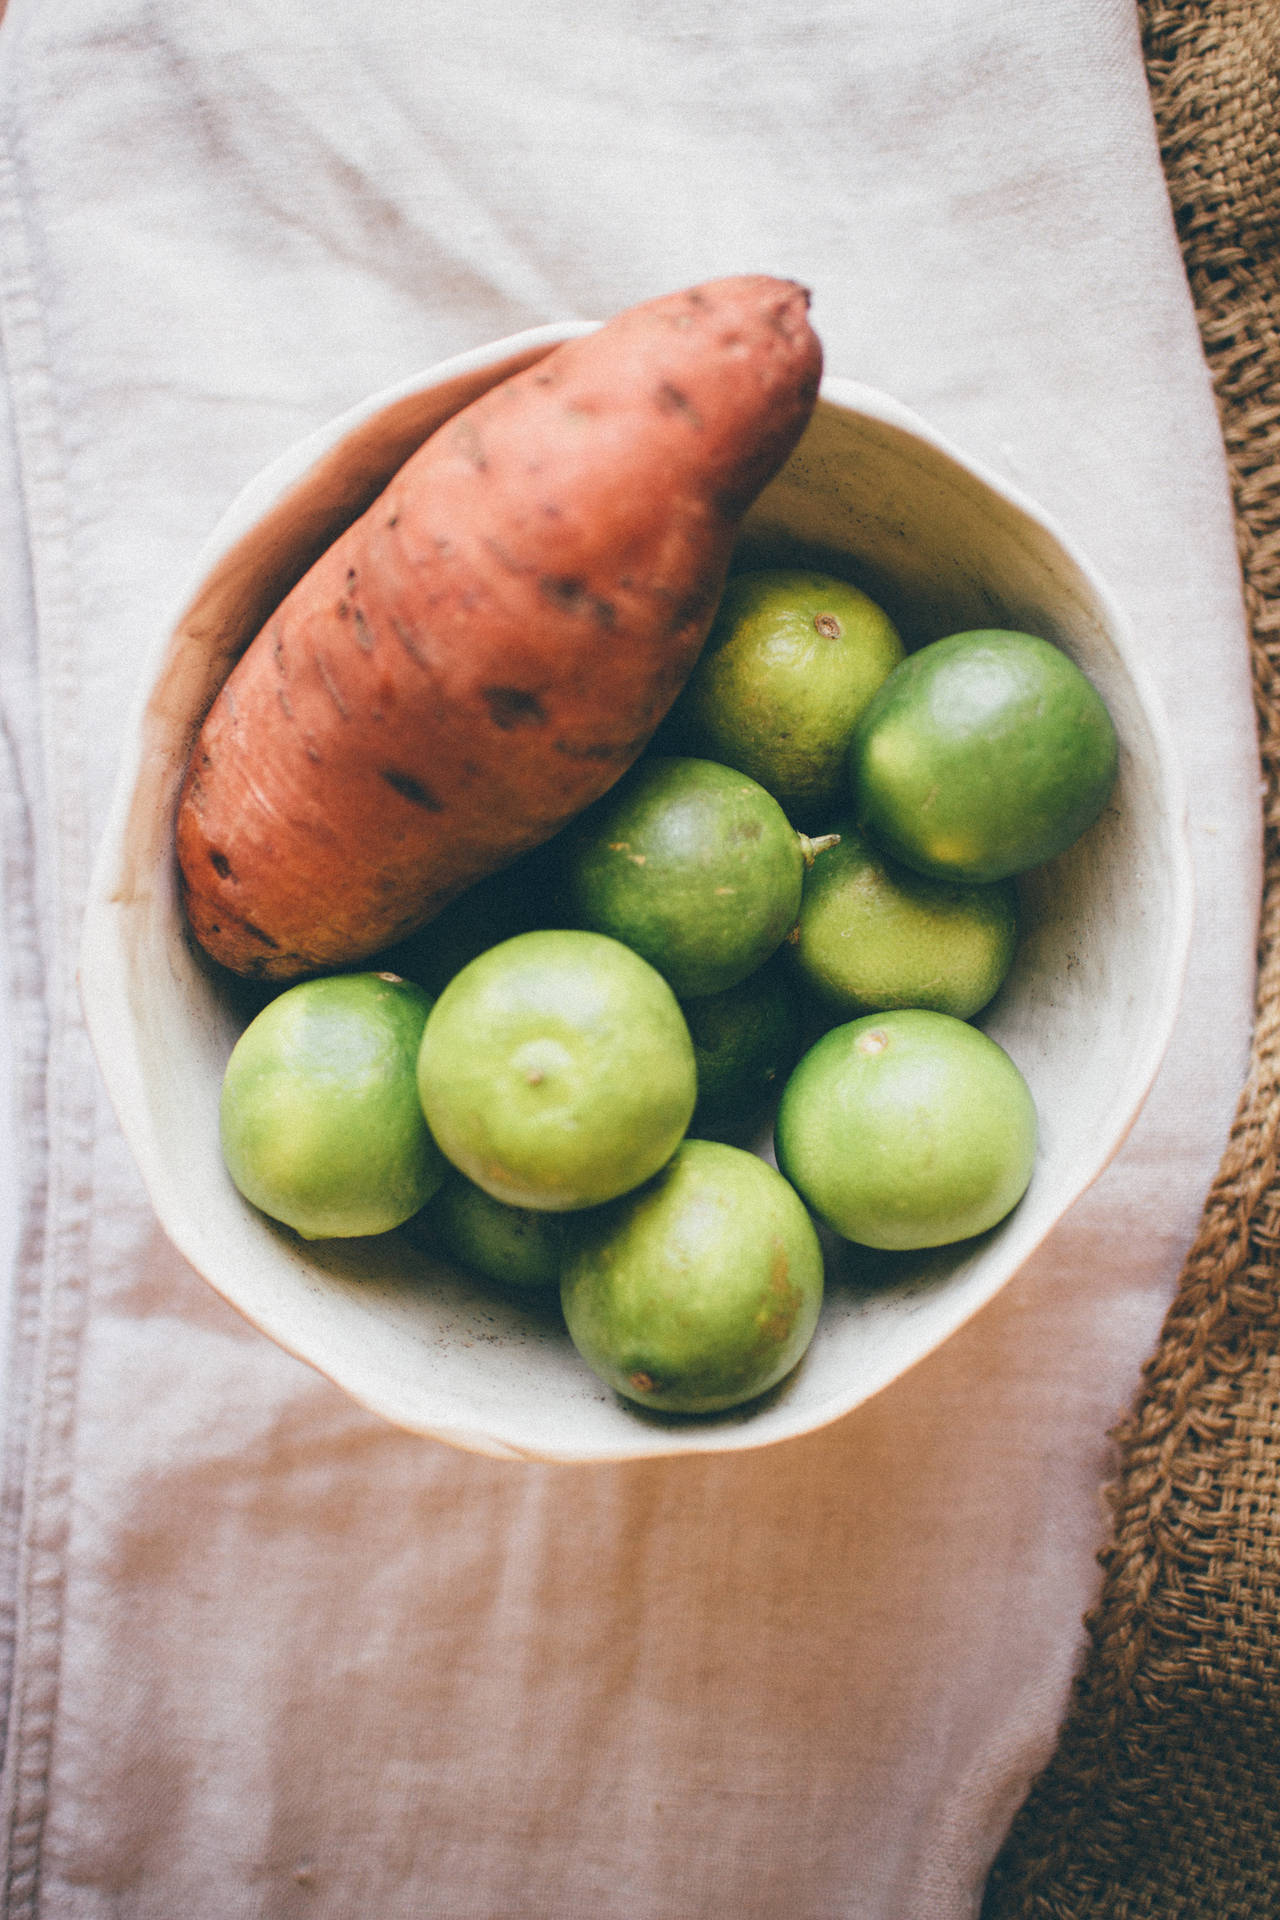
pixel 490 646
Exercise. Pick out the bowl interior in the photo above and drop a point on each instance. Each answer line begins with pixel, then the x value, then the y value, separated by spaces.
pixel 1086 1012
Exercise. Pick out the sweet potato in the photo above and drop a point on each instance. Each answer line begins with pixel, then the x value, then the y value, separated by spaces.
pixel 490 646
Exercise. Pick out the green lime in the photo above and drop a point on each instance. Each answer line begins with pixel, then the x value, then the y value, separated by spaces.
pixel 514 1245
pixel 745 1041
pixel 700 1291
pixel 874 935
pixel 982 755
pixel 907 1129
pixel 788 667
pixel 320 1120
pixel 691 864
pixel 556 1070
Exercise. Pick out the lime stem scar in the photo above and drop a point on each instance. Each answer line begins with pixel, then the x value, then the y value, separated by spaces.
pixel 812 848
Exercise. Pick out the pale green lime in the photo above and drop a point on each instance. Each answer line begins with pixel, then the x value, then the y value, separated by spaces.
pixel 874 935
pixel 320 1121
pixel 691 864
pixel 907 1129
pixel 982 755
pixel 792 659
pixel 556 1070
pixel 699 1291
pixel 514 1245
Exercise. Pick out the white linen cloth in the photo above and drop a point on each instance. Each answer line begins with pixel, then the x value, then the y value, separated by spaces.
pixel 267 1656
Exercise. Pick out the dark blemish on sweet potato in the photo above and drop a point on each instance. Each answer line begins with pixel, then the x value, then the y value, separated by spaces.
pixel 573 596
pixel 411 790
pixel 364 639
pixel 513 707
pixel 673 400
pixel 563 591
pixel 286 704
pixel 683 317
pixel 277 965
pixel 220 863
pixel 255 932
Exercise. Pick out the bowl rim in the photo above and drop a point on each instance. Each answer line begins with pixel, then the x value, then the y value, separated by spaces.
pixel 103 967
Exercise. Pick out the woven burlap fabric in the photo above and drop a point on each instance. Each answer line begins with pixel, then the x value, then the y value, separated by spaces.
pixel 1163 1797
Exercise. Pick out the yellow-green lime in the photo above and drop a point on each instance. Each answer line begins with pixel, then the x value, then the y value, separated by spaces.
pixel 321 1125
pixel 790 663
pixel 874 935
pixel 982 755
pixel 745 1041
pixel 514 1245
pixel 691 864
pixel 556 1070
pixel 907 1129
pixel 701 1290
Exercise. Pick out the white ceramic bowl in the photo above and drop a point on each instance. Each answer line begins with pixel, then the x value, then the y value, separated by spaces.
pixel 1086 1013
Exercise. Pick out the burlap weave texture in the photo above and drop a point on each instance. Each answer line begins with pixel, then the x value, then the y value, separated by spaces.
pixel 1163 1797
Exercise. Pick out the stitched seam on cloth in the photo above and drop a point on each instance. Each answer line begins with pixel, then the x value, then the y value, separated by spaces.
pixel 25 999
pixel 24 945
pixel 58 1286
pixel 1163 1798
